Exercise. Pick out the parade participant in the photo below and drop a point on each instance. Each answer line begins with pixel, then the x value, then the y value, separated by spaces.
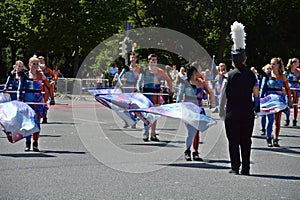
pixel 221 68
pixel 12 82
pixel 167 93
pixel 151 78
pixel 195 91
pixel 58 73
pixel 266 72
pixel 236 104
pixel 208 78
pixel 275 84
pixel 52 78
pixel 30 90
pixel 115 79
pixel 131 75
pixel 173 74
pixel 292 74
pixel 111 74
pixel 181 81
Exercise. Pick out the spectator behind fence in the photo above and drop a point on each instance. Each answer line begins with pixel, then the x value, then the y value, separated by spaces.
pixel 111 74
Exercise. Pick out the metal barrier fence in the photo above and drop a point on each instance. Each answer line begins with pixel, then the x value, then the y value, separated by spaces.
pixel 77 86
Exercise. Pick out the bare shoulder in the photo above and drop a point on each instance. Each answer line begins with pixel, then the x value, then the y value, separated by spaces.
pixel 160 71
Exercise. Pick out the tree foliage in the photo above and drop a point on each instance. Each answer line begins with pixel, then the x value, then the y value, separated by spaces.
pixel 66 31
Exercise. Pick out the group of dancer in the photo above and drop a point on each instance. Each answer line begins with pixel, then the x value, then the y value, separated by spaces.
pixel 196 89
pixel 148 81
pixel 284 82
pixel 237 95
pixel 33 87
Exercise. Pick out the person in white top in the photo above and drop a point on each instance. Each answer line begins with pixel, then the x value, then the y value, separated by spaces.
pixel 174 73
pixel 181 80
pixel 111 73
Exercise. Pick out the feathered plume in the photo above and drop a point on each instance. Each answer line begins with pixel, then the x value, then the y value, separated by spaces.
pixel 238 36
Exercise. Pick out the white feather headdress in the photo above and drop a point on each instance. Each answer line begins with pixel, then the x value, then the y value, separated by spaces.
pixel 238 36
pixel 238 51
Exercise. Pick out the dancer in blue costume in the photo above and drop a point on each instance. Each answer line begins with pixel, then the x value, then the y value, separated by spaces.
pixel 152 77
pixel 12 82
pixel 30 90
pixel 221 68
pixel 275 84
pixel 181 81
pixel 266 72
pixel 131 75
pixel 195 91
pixel 293 76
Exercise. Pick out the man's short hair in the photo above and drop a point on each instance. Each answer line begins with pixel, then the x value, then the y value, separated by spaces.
pixel 152 56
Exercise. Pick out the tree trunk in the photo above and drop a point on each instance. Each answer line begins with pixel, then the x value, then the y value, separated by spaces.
pixel 224 32
pixel 13 54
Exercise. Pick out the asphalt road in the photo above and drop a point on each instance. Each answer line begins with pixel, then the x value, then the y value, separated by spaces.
pixel 86 154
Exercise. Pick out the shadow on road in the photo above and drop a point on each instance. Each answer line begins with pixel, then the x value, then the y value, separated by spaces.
pixel 290 127
pixel 162 143
pixel 60 123
pixel 63 152
pixel 41 154
pixel 295 178
pixel 194 164
pixel 279 150
pixel 54 136
pixel 290 136
pixel 27 155
pixel 218 161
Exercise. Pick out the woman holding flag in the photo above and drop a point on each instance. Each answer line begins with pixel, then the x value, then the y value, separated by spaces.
pixel 195 92
pixel 275 85
pixel 30 91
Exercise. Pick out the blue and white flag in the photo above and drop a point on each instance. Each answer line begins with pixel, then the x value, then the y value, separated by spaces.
pixel 18 120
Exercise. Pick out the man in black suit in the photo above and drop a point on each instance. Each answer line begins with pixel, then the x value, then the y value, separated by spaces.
pixel 237 107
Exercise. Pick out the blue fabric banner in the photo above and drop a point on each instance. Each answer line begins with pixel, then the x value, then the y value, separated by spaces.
pixel 18 120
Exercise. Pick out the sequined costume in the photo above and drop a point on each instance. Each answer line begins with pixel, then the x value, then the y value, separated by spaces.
pixel 131 79
pixel 272 85
pixel 194 95
pixel 293 80
pixel 152 84
pixel 129 86
pixel 12 84
pixel 30 90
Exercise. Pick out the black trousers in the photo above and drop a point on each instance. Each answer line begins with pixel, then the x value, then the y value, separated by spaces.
pixel 239 133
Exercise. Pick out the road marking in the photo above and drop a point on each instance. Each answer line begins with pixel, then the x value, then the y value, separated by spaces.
pixel 286 154
pixel 91 121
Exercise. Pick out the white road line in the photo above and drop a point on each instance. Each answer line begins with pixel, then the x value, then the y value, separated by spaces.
pixel 91 121
pixel 287 154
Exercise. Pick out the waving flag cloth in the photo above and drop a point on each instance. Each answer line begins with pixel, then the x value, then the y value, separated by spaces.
pixel 17 120
pixel 272 103
pixel 121 102
pixel 186 111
